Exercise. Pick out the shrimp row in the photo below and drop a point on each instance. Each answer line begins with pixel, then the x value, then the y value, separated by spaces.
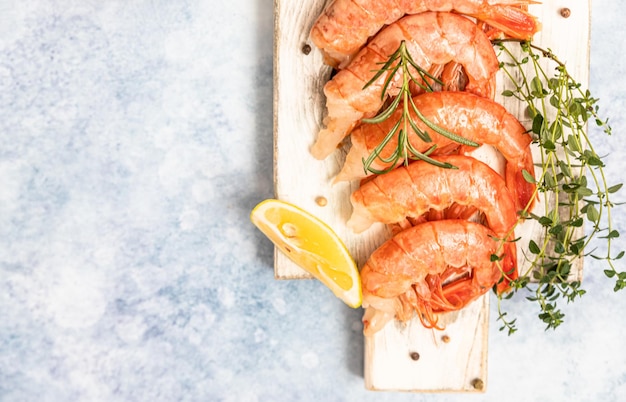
pixel 402 283
pixel 453 229
pixel 475 118
pixel 431 39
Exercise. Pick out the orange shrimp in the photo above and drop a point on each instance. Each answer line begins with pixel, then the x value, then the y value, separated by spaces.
pixel 346 25
pixel 430 268
pixel 431 38
pixel 478 119
pixel 411 191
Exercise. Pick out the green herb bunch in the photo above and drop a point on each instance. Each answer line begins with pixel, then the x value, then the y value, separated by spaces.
pixel 572 175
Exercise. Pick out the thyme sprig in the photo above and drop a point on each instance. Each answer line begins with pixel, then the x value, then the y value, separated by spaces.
pixel 572 174
pixel 402 62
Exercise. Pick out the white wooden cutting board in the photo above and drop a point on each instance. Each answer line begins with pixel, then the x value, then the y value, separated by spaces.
pixel 400 357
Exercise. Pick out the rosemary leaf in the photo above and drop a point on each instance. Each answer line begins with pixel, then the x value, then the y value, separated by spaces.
pixel 401 62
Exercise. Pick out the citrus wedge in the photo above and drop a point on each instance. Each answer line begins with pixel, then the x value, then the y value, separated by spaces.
pixel 312 245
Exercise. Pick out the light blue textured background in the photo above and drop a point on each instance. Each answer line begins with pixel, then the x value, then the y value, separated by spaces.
pixel 135 137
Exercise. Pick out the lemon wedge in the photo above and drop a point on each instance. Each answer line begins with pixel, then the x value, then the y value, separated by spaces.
pixel 312 245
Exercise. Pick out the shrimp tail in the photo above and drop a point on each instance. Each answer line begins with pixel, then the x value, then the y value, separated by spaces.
pixel 524 190
pixel 361 218
pixel 512 21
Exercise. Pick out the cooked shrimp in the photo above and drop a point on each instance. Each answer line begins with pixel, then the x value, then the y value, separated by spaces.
pixel 346 25
pixel 431 38
pixel 478 119
pixel 430 268
pixel 411 191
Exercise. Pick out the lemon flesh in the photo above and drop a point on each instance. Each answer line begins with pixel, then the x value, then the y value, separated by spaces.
pixel 312 245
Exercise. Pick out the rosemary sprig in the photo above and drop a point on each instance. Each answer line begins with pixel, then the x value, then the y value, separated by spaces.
pixel 572 173
pixel 401 62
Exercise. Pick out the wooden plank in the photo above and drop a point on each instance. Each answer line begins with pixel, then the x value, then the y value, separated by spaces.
pixel 452 360
pixel 299 104
pixel 299 75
